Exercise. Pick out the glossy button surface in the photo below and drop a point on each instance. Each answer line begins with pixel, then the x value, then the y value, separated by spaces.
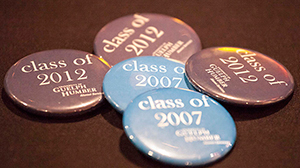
pixel 146 34
pixel 57 82
pixel 179 127
pixel 131 77
pixel 239 76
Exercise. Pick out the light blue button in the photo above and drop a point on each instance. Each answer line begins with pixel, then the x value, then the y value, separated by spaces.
pixel 179 127
pixel 131 77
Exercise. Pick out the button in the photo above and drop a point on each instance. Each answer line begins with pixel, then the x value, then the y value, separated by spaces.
pixel 239 76
pixel 131 77
pixel 146 34
pixel 57 82
pixel 179 127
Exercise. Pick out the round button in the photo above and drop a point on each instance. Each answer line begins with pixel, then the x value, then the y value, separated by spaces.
pixel 146 34
pixel 57 82
pixel 179 127
pixel 131 77
pixel 239 76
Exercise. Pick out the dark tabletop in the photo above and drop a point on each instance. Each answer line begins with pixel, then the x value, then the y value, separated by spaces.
pixel 266 137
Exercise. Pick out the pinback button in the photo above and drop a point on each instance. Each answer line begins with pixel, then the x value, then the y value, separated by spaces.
pixel 239 76
pixel 179 127
pixel 57 82
pixel 131 77
pixel 146 34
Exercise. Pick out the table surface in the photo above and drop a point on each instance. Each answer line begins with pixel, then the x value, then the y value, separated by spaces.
pixel 266 137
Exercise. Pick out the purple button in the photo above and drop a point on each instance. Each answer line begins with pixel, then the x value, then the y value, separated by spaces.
pixel 146 34
pixel 57 82
pixel 239 76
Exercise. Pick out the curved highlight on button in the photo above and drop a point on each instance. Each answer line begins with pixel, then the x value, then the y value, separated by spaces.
pixel 104 62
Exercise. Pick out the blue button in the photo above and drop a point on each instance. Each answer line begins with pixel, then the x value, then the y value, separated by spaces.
pixel 129 78
pixel 179 127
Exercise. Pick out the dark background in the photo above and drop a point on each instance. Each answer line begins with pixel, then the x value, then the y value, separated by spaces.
pixel 266 137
